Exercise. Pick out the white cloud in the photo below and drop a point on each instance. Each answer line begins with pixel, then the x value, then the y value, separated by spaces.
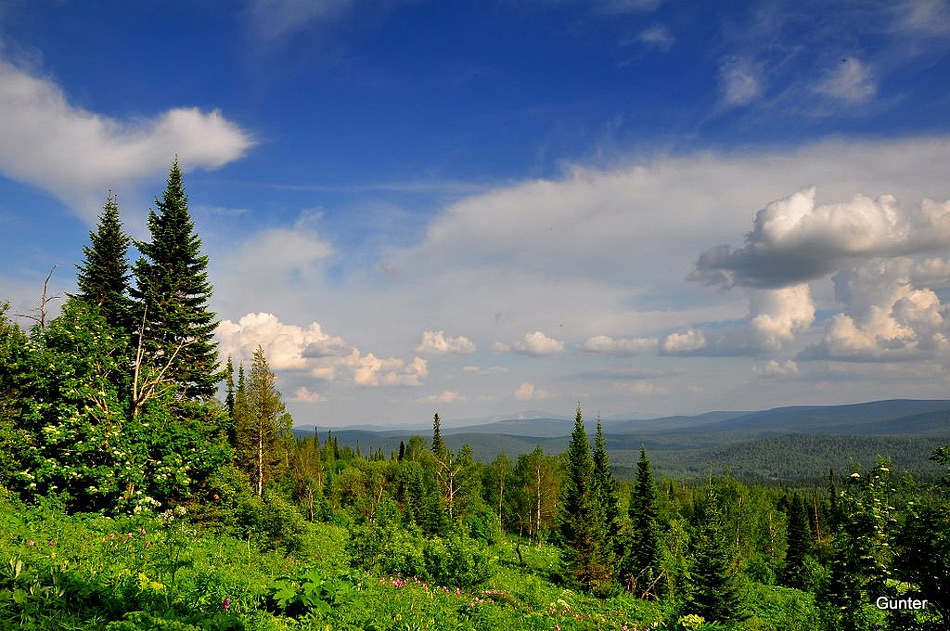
pixel 778 314
pixel 656 36
pixel 740 81
pixel 773 369
pixel 527 392
pixel 850 82
pixel 645 388
pixel 78 155
pixel 538 344
pixel 686 342
pixel 435 343
pixel 795 240
pixel 305 395
pixel 620 347
pixel 272 19
pixel 286 346
pixel 446 396
pixel 500 347
pixel 887 317
pixel 371 371
pixel 926 16
pixel 327 358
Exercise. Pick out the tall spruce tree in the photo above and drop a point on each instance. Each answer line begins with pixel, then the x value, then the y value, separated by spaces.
pixel 641 565
pixel 229 385
pixel 715 593
pixel 606 490
pixel 103 278
pixel 793 574
pixel 581 529
pixel 438 445
pixel 172 291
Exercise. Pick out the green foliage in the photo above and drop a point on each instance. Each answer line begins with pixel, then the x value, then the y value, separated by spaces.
pixel 715 590
pixel 794 573
pixel 103 278
pixel 582 530
pixel 257 420
pixel 641 569
pixel 172 291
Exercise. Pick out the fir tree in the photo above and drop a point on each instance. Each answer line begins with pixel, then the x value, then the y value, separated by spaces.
pixel 581 527
pixel 605 489
pixel 172 289
pixel 715 591
pixel 794 573
pixel 103 277
pixel 641 566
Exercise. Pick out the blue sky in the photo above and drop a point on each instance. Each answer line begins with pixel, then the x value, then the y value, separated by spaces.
pixel 484 208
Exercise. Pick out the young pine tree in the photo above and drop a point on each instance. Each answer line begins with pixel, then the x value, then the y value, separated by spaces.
pixel 172 291
pixel 641 567
pixel 103 278
pixel 438 445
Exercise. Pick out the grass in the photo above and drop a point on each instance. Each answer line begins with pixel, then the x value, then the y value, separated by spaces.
pixel 85 572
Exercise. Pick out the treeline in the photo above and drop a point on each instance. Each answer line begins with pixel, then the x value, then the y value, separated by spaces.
pixel 111 407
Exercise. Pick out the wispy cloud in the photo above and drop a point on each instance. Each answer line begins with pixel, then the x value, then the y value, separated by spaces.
pixel 850 81
pixel 740 81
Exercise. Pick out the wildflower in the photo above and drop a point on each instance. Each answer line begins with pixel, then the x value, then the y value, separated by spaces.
pixel 143 531
pixel 52 542
pixel 129 535
pixel 458 592
pixel 31 543
pixel 148 544
pixel 226 604
pixel 112 535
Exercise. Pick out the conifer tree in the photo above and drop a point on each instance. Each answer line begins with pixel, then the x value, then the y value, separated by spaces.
pixel 172 291
pixel 260 425
pixel 641 565
pixel 794 573
pixel 606 488
pixel 103 278
pixel 581 528
pixel 716 594
pixel 438 445
pixel 229 384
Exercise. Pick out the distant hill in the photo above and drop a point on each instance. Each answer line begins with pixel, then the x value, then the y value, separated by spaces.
pixel 777 444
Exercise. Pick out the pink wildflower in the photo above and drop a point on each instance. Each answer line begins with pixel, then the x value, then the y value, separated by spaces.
pixel 143 531
pixel 226 604
pixel 148 544
pixel 31 543
pixel 458 592
pixel 112 535
pixel 52 542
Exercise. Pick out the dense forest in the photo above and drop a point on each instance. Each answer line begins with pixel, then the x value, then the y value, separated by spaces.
pixel 143 485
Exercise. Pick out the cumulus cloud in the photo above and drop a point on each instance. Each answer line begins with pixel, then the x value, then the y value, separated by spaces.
pixel 435 343
pixel 619 347
pixel 528 392
pixel 887 317
pixel 287 346
pixel 538 344
pixel 680 343
pixel 773 369
pixel 327 358
pixel 778 314
pixel 850 82
pixel 740 81
pixel 306 395
pixel 78 155
pixel 446 396
pixel 793 240
pixel 371 371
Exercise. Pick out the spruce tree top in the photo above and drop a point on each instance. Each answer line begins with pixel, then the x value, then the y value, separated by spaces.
pixel 103 277
pixel 173 290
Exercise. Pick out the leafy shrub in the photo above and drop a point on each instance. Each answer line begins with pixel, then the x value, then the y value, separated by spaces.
pixel 458 560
